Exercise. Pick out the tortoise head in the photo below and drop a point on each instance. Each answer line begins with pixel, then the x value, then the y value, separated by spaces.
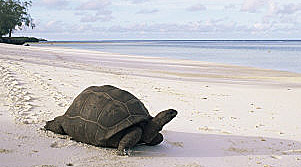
pixel 164 117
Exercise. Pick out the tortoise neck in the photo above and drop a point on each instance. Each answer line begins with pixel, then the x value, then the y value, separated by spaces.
pixel 150 130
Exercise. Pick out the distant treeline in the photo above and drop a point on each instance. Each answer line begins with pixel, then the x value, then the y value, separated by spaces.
pixel 19 40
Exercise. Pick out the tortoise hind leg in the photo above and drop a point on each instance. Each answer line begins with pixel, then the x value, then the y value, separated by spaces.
pixel 129 140
pixel 55 125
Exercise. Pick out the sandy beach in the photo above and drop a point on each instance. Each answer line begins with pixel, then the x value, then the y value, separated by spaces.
pixel 229 116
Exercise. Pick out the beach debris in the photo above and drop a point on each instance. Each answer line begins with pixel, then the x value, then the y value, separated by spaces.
pixel 115 112
pixel 276 157
pixel 69 164
pixel 298 151
pixel 4 151
pixel 193 164
pixel 267 165
pixel 211 129
pixel 260 125
pixel 238 150
pixel 221 118
pixel 216 109
pixel 226 132
pixel 54 145
pixel 177 144
pixel 205 128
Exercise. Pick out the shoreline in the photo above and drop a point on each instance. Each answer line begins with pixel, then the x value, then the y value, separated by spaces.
pixel 176 69
pixel 281 56
pixel 231 122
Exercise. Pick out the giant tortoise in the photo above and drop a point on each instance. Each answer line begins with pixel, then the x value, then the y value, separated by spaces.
pixel 107 116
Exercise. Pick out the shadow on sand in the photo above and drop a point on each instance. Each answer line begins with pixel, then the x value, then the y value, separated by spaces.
pixel 181 144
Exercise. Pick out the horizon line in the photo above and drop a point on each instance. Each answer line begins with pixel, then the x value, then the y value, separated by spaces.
pixel 104 40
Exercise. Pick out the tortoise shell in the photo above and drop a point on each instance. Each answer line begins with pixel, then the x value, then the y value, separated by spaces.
pixel 100 112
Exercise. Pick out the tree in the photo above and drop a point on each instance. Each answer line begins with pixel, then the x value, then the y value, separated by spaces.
pixel 14 15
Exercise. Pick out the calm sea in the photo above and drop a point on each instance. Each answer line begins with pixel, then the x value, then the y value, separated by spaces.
pixel 282 55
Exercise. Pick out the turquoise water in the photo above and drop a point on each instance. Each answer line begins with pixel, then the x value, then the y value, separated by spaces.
pixel 276 54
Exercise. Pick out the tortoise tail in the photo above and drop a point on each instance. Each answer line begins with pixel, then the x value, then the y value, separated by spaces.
pixel 55 125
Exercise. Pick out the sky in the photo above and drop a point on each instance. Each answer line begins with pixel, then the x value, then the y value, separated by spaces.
pixel 165 19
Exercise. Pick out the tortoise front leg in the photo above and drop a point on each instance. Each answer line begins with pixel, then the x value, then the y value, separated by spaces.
pixel 157 140
pixel 129 140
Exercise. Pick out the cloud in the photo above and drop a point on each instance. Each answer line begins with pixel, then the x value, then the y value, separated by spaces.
pixel 198 7
pixel 253 6
pixel 147 11
pixel 99 9
pixel 94 5
pixel 230 6
pixel 289 9
pixel 209 28
pixel 261 27
pixel 52 26
pixel 54 4
pixel 244 17
pixel 93 18
pixel 138 1
pixel 278 15
pixel 203 26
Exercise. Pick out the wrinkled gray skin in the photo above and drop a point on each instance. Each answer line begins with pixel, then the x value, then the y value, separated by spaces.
pixel 147 132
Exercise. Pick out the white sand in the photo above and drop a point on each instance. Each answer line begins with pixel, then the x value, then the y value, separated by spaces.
pixel 228 115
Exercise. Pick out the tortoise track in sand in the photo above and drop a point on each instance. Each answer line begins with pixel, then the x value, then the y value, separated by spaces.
pixel 32 99
pixel 18 95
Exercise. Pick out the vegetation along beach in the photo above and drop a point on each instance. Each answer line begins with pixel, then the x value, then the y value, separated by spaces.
pixel 236 87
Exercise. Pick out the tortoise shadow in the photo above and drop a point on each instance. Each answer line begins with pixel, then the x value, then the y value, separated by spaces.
pixel 182 144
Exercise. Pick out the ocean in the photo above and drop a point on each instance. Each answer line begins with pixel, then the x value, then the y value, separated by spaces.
pixel 284 55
